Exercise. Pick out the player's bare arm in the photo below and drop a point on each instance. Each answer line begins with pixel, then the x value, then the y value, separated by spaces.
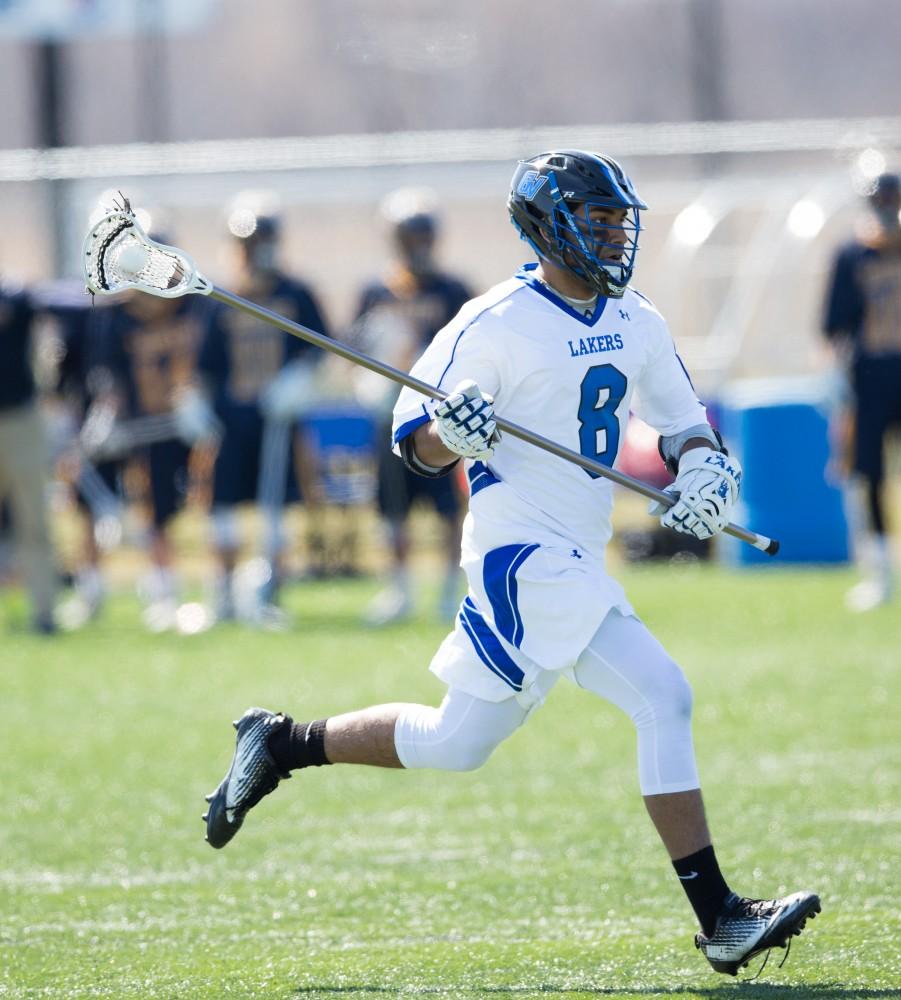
pixel 430 449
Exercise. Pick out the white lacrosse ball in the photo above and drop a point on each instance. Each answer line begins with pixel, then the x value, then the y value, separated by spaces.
pixel 132 260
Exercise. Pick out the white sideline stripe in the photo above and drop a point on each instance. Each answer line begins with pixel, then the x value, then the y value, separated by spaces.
pixel 58 881
pixel 565 924
pixel 55 881
pixel 450 146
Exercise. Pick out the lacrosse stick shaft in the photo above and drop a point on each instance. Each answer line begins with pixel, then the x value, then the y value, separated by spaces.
pixel 768 545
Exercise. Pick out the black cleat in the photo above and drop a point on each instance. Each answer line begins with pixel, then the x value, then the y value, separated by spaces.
pixel 252 774
pixel 748 927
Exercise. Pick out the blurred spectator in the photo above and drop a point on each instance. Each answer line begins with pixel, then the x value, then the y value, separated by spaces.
pixel 260 379
pixel 24 457
pixel 863 323
pixel 396 320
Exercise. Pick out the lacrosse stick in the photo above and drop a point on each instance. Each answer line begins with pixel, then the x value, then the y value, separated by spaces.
pixel 106 510
pixel 119 256
pixel 104 437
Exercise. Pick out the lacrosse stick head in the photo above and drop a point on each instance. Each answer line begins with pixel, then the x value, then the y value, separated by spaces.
pixel 118 255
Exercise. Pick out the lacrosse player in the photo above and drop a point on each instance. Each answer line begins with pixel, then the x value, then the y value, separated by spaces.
pixel 259 380
pixel 149 349
pixel 80 380
pixel 863 322
pixel 567 343
pixel 396 320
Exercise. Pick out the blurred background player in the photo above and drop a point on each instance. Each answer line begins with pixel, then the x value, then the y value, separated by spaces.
pixel 7 544
pixel 148 346
pixel 25 457
pixel 77 379
pixel 863 323
pixel 396 320
pixel 259 379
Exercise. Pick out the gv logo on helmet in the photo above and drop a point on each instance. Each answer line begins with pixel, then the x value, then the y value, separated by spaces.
pixel 530 184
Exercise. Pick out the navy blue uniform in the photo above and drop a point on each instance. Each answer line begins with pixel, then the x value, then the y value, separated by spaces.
pixel 16 378
pixel 864 303
pixel 239 357
pixel 150 348
pixel 72 310
pixel 425 305
pixel 80 375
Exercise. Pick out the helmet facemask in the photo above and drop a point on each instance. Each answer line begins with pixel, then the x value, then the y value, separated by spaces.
pixel 579 211
pixel 599 251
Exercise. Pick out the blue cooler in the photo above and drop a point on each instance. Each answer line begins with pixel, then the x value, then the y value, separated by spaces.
pixel 779 429
pixel 342 435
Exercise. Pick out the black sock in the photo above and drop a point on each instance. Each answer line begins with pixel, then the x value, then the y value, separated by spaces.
pixel 299 744
pixel 704 885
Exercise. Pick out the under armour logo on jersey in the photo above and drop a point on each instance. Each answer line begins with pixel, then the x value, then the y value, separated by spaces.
pixel 576 554
pixel 530 184
pixel 624 315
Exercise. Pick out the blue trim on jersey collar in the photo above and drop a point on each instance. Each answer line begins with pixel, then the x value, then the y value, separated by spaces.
pixel 525 276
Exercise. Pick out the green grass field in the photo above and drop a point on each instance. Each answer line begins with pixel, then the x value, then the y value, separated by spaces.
pixel 538 876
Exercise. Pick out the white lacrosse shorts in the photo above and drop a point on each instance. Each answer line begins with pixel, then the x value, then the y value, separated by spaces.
pixel 535 601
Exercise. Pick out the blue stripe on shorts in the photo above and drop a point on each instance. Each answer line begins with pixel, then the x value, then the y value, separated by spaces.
pixel 499 575
pixel 488 646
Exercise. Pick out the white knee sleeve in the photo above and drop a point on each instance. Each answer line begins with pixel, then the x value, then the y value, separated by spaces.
pixel 626 665
pixel 459 735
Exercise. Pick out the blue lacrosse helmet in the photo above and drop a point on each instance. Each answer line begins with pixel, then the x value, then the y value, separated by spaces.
pixel 551 200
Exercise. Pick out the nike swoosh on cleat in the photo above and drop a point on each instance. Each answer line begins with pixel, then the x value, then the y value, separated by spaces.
pixel 691 875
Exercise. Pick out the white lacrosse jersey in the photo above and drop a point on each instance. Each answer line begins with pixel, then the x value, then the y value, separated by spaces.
pixel 534 538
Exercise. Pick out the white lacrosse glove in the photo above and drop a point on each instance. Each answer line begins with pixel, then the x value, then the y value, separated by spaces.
pixel 465 422
pixel 707 488
pixel 291 393
pixel 194 418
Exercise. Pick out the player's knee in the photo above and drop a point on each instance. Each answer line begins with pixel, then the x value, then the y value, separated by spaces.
pixel 676 698
pixel 444 739
pixel 456 752
pixel 470 755
pixel 670 699
pixel 683 697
